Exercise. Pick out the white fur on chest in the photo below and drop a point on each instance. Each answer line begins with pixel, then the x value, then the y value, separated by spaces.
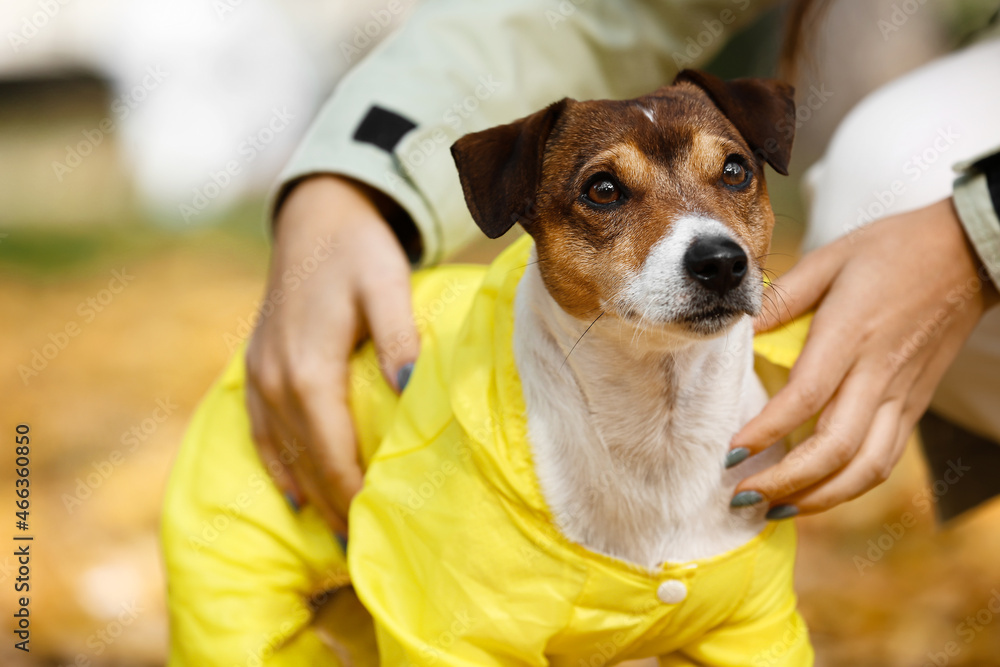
pixel 629 440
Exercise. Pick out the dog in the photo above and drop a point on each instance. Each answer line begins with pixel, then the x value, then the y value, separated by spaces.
pixel 550 488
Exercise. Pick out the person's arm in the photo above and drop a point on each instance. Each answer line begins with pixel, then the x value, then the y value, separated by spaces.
pixel 460 66
pixel 337 273
pixel 380 148
pixel 895 298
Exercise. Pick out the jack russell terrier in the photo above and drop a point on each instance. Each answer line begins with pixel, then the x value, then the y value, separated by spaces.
pixel 550 488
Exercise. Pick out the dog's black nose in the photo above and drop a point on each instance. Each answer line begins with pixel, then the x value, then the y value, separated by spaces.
pixel 717 263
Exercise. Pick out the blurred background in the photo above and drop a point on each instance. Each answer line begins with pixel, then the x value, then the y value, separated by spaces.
pixel 130 265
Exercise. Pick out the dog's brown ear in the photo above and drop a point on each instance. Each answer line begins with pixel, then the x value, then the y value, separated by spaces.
pixel 501 169
pixel 763 110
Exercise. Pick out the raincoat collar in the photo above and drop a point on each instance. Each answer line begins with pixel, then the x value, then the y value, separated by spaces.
pixel 487 400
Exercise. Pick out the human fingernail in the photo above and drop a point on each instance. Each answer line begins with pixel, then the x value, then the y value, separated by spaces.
pixel 403 376
pixel 779 512
pixel 292 502
pixel 746 498
pixel 738 455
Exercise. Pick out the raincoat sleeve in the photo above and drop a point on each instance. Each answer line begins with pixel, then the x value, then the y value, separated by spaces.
pixel 241 566
pixel 250 581
pixel 245 573
pixel 458 66
pixel 977 201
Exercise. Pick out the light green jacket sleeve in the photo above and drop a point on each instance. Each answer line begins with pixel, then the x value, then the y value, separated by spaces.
pixel 978 215
pixel 458 66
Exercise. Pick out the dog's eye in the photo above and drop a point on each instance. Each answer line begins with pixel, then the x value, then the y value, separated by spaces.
pixel 735 174
pixel 603 190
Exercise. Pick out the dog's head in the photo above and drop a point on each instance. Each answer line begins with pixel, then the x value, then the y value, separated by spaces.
pixel 654 210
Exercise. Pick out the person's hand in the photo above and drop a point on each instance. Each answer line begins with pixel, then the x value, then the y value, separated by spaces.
pixel 337 273
pixel 894 303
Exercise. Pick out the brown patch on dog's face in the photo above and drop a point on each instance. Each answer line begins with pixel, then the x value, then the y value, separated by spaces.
pixel 653 211
pixel 665 155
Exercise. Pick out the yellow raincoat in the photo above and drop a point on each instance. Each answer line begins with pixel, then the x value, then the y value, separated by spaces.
pixel 452 548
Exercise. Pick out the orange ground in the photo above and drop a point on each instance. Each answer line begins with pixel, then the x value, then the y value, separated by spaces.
pixel 97 589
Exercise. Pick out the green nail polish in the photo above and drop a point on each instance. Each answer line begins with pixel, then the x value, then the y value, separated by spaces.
pixel 403 376
pixel 738 455
pixel 779 512
pixel 746 498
